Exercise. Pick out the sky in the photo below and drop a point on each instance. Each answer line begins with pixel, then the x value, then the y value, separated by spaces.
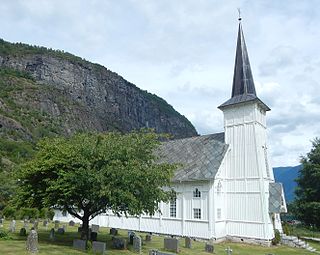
pixel 184 50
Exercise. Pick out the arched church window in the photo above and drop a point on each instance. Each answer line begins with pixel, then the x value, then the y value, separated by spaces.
pixel 196 193
pixel 219 187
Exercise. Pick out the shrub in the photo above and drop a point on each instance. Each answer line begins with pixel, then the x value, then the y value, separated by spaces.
pixel 4 235
pixel 277 238
pixel 9 212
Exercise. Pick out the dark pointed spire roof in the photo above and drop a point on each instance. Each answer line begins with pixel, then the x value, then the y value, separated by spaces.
pixel 243 88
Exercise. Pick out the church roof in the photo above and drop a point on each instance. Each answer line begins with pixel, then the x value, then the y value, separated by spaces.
pixel 243 89
pixel 200 156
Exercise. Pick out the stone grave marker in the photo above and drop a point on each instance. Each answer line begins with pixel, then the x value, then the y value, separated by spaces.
pixel 79 244
pixel 119 243
pixel 60 231
pixel 32 241
pixel 137 244
pixel 56 224
pixel 209 248
pixel 228 251
pixel 156 252
pixel 1 223
pixel 188 242
pixel 71 223
pixel 95 228
pixel 12 227
pixel 99 247
pixel 45 223
pixel 93 236
pixel 23 232
pixel 131 235
pixel 52 234
pixel 113 231
pixel 148 237
pixel 25 224
pixel 36 224
pixel 171 244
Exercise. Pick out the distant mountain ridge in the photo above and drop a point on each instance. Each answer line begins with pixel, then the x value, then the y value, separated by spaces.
pixel 287 176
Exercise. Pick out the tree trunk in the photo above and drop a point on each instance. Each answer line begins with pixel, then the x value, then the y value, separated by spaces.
pixel 85 227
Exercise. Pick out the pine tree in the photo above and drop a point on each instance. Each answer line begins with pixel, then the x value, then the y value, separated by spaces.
pixel 307 202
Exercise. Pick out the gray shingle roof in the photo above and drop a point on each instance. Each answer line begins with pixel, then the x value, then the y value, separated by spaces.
pixel 200 156
pixel 276 198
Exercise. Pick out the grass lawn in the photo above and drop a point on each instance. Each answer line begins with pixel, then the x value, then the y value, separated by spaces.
pixel 63 244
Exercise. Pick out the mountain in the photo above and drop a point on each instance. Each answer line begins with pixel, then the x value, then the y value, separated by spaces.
pixel 45 92
pixel 287 176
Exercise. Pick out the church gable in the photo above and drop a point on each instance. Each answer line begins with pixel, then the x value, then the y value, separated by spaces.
pixel 200 157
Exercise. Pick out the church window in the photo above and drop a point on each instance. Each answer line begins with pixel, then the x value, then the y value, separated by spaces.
pixel 196 213
pixel 196 193
pixel 218 213
pixel 219 187
pixel 173 208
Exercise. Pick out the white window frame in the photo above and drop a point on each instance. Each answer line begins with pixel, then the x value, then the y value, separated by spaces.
pixel 197 213
pixel 173 208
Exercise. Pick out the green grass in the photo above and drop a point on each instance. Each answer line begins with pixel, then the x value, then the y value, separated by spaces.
pixel 63 244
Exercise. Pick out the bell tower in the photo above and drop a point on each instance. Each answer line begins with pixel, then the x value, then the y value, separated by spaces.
pixel 248 172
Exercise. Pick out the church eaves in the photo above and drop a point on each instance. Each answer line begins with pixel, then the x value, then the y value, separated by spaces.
pixel 243 89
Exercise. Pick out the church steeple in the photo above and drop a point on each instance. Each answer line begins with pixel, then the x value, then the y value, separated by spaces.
pixel 243 88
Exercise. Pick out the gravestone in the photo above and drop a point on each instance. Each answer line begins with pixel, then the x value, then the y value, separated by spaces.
pixel 1 223
pixel 52 234
pixel 188 242
pixel 95 228
pixel 32 241
pixel 131 235
pixel 45 223
pixel 25 224
pixel 12 227
pixel 60 231
pixel 79 244
pixel 171 244
pixel 56 224
pixel 99 247
pixel 148 238
pixel 113 231
pixel 209 248
pixel 156 252
pixel 137 244
pixel 229 251
pixel 23 232
pixel 36 224
pixel 71 223
pixel 93 236
pixel 119 243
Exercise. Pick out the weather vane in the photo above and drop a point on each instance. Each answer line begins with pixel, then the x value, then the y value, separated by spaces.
pixel 239 11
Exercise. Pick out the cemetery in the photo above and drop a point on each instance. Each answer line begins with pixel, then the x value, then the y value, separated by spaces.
pixel 63 238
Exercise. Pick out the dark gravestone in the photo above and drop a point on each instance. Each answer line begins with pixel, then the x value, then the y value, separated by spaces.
pixel 93 236
pixel 148 238
pixel 52 234
pixel 71 223
pixel 60 231
pixel 45 223
pixel 98 247
pixel 79 244
pixel 1 221
pixel 113 231
pixel 23 232
pixel 137 244
pixel 171 244
pixel 131 236
pixel 188 242
pixel 119 243
pixel 209 248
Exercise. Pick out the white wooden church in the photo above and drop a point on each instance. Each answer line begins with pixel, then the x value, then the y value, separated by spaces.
pixel 225 187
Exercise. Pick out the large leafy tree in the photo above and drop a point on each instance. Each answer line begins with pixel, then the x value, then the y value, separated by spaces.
pixel 88 174
pixel 307 203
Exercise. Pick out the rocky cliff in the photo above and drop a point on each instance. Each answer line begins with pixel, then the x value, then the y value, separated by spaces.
pixel 45 91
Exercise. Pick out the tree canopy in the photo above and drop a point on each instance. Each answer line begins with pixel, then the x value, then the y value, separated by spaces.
pixel 307 204
pixel 88 174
